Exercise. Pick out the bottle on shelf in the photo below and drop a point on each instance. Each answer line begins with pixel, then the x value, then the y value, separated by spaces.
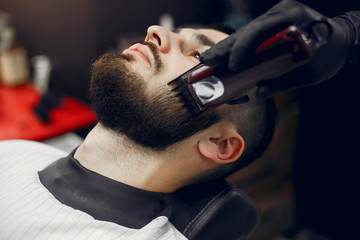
pixel 14 64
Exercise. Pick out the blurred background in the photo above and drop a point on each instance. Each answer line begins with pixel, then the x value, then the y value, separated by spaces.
pixel 305 183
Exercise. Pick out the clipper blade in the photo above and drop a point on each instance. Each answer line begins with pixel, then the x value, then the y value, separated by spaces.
pixel 185 93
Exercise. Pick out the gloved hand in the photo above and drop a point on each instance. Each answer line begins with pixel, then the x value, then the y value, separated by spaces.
pixel 342 47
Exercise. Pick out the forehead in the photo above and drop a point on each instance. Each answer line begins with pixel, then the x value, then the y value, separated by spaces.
pixel 212 34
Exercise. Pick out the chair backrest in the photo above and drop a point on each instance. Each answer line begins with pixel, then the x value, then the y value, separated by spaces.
pixel 214 210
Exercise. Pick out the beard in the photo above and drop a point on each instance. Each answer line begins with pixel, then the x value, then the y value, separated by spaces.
pixel 155 120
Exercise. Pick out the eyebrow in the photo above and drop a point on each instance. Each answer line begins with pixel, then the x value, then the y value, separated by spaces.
pixel 204 40
pixel 201 38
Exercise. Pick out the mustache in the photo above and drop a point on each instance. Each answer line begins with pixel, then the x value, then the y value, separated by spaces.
pixel 155 52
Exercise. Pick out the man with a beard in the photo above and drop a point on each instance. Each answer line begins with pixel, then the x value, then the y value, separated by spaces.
pixel 144 148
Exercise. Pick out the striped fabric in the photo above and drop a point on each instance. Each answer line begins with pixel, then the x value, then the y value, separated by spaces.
pixel 29 211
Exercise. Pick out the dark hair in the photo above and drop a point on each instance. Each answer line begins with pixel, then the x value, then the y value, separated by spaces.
pixel 255 122
pixel 258 134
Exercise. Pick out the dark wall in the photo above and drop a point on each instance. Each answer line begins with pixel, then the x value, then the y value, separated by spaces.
pixel 59 29
pixel 74 33
pixel 116 18
pixel 325 174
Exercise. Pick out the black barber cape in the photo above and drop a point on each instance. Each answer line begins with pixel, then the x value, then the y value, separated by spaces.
pixel 192 210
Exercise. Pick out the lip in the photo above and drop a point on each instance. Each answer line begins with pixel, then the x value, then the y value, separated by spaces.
pixel 139 50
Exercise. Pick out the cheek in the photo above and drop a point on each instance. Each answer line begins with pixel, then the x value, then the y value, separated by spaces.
pixel 177 68
pixel 174 65
pixel 176 71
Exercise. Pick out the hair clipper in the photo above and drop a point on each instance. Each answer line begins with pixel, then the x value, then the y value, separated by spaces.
pixel 204 87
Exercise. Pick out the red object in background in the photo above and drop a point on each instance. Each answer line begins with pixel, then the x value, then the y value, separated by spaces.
pixel 18 121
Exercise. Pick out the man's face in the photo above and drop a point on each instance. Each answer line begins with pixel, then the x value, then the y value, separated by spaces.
pixel 129 89
pixel 171 54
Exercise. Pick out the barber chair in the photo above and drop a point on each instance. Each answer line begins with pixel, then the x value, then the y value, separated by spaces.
pixel 214 210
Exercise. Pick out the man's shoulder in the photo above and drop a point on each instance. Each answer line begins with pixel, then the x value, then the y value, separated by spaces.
pixel 27 146
pixel 15 152
pixel 28 209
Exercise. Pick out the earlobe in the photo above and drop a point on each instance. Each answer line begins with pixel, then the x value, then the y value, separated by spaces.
pixel 225 149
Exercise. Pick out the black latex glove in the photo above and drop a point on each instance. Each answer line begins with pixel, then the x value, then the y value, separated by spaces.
pixel 342 47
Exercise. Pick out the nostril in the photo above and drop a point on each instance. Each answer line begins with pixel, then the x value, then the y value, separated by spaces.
pixel 157 39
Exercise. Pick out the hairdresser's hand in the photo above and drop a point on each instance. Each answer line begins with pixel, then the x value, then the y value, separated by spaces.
pixel 325 62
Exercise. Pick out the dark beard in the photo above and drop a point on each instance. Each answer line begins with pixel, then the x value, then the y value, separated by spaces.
pixel 120 103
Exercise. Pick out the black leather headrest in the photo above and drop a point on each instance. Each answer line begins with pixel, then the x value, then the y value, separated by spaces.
pixel 214 210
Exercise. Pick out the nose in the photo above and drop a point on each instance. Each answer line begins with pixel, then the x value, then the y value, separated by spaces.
pixel 160 36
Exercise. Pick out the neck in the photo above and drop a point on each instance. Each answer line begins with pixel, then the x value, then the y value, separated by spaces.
pixel 118 158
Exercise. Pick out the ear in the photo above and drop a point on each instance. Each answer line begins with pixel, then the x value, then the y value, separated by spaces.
pixel 222 145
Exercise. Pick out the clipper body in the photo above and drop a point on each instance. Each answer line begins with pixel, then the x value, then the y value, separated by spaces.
pixel 204 87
